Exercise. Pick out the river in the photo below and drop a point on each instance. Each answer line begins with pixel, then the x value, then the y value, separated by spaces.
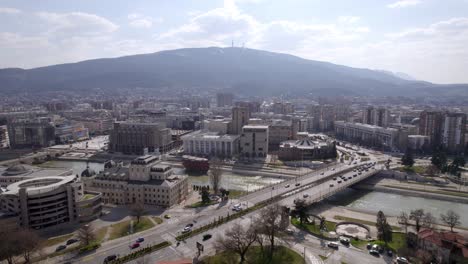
pixel 230 181
pixel 394 204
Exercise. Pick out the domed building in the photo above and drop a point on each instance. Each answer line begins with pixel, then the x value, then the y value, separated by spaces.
pixel 17 169
pixel 88 172
pixel 109 164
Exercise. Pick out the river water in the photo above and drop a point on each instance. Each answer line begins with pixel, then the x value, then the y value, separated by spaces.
pixel 230 180
pixel 394 204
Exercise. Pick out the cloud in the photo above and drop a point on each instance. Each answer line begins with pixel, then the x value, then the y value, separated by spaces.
pixel 141 21
pixel 9 11
pixel 348 19
pixel 77 23
pixel 404 3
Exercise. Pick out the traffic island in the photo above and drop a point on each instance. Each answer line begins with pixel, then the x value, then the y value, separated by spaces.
pixel 255 255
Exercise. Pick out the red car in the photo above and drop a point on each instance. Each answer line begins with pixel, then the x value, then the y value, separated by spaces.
pixel 135 245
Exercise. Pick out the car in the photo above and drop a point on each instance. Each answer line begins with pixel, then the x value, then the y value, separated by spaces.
pixel 297 184
pixel 110 258
pixel 289 231
pixel 360 173
pixel 401 260
pixel 321 173
pixel 345 241
pixel 167 216
pixel 374 252
pixel 331 185
pixel 206 237
pixel 134 245
pixel 334 178
pixel 60 248
pixel 345 179
pixel 355 175
pixel 189 225
pixel 333 245
pixel 187 229
pixel 71 241
pixel 140 239
pixel 339 181
pixel 287 186
pixel 369 246
pixel 389 253
pixel 305 195
pixel 333 169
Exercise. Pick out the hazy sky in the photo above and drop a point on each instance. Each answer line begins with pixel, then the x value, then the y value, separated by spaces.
pixel 427 39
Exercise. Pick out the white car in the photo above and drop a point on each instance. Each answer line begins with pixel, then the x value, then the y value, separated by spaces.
pixel 401 260
pixel 187 229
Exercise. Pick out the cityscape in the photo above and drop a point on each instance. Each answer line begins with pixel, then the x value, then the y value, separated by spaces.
pixel 218 152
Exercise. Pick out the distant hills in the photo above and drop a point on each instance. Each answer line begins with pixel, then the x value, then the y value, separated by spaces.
pixel 241 70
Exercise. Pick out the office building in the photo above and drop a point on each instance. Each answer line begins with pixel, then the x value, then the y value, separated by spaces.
pixel 376 116
pixel 139 138
pixel 254 141
pixel 240 118
pixel 224 99
pixel 430 124
pixel 210 144
pixel 145 181
pixel 31 133
pixel 279 131
pixel 48 202
pixel 453 132
pixel 369 135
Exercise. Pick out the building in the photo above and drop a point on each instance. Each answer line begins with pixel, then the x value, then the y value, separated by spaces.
pixel 21 172
pixel 369 135
pixel 32 133
pixel 47 202
pixel 254 141
pixel 145 181
pixel 376 116
pixel 453 132
pixel 98 125
pixel 222 126
pixel 254 107
pixel 240 118
pixel 419 142
pixel 307 148
pixel 445 247
pixel 139 138
pixel 279 131
pixel 211 144
pixel 4 140
pixel 224 99
pixel 430 124
pixel 68 132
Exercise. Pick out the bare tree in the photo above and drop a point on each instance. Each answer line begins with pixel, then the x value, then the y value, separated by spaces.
pixel 138 210
pixel 29 242
pixel 403 219
pixel 451 218
pixel 428 220
pixel 9 245
pixel 238 240
pixel 216 175
pixel 417 216
pixel 86 234
pixel 272 220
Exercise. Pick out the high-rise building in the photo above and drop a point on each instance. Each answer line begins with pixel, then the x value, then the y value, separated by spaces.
pixel 430 125
pixel 139 138
pixel 453 132
pixel 4 141
pixel 240 118
pixel 224 99
pixel 376 116
pixel 254 141
pixel 37 133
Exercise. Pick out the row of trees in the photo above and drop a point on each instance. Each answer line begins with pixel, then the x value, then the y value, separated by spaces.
pixel 270 222
pixel 19 243
pixel 439 162
pixel 427 220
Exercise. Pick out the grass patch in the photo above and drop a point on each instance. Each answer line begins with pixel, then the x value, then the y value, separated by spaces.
pixel 413 169
pixel 323 257
pixel 57 240
pixel 121 229
pixel 101 233
pixel 364 222
pixel 88 196
pixel 157 219
pixel 281 255
pixel 236 193
pixel 314 229
pixel 201 204
pixel 398 242
pixel 359 243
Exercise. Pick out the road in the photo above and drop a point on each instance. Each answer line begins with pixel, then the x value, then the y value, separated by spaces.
pixel 315 184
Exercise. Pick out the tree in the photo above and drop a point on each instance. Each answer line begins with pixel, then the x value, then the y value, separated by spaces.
pixel 205 195
pixel 9 245
pixel 459 161
pixel 323 223
pixel 29 242
pixel 237 239
pixel 300 210
pixel 428 220
pixel 439 159
pixel 384 230
pixel 272 220
pixel 403 219
pixel 138 210
pixel 408 159
pixel 451 218
pixel 216 175
pixel 86 235
pixel 417 216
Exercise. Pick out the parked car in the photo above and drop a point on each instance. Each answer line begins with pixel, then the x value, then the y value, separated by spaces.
pixel 187 229
pixel 333 245
pixel 167 216
pixel 71 241
pixel 331 185
pixel 140 239
pixel 345 241
pixel 60 248
pixel 401 260
pixel 369 246
pixel 287 186
pixel 374 252
pixel 297 184
pixel 134 245
pixel 206 237
pixel 305 195
pixel 110 258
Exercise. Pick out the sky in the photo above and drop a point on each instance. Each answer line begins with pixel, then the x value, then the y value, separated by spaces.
pixel 427 39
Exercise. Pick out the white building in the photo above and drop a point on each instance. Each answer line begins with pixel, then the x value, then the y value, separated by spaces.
pixel 365 134
pixel 254 141
pixel 221 126
pixel 204 143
